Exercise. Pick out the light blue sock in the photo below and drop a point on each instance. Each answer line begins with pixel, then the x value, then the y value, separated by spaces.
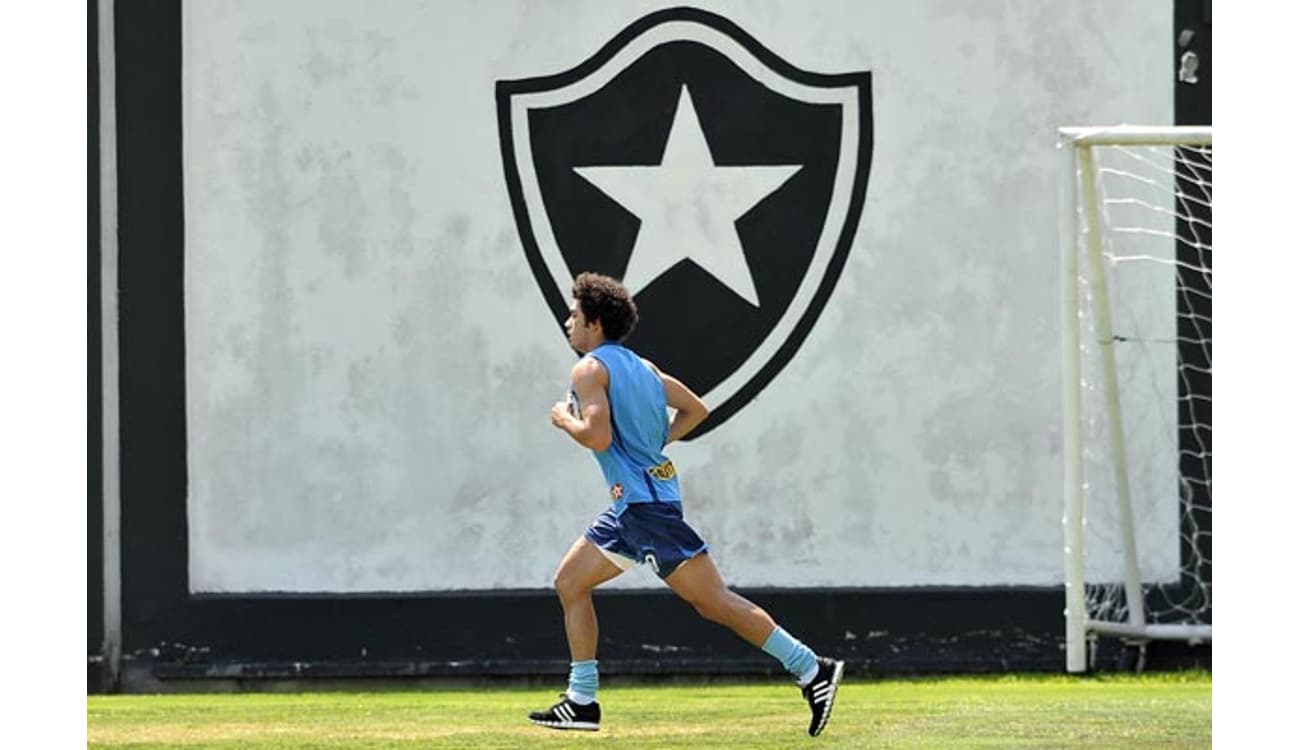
pixel 583 681
pixel 798 659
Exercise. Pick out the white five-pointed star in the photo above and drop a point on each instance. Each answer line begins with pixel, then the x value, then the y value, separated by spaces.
pixel 688 206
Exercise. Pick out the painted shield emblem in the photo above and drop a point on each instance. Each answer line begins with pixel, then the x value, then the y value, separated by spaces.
pixel 722 184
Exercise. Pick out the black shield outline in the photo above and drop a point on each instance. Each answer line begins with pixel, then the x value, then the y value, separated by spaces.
pixel 557 298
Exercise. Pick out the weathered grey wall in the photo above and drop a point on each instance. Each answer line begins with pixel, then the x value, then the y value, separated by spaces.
pixel 370 363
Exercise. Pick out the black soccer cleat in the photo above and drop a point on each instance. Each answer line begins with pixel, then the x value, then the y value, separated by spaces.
pixel 568 715
pixel 820 693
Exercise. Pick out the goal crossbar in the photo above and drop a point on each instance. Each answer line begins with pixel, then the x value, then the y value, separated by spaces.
pixel 1136 135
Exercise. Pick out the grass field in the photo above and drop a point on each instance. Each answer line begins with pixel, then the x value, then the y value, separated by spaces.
pixel 1124 711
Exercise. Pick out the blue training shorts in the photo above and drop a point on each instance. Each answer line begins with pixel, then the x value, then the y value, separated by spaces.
pixel 651 533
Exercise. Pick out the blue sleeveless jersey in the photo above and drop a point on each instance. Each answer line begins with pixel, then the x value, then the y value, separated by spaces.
pixel 635 467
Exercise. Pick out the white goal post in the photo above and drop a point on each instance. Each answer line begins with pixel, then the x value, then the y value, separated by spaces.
pixel 1135 260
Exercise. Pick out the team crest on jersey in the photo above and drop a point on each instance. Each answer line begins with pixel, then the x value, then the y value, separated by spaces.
pixel 616 492
pixel 721 183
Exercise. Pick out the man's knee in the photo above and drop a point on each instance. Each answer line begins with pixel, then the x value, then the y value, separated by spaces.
pixel 569 586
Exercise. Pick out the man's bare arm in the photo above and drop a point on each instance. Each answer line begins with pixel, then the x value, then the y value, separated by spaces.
pixel 691 409
pixel 591 428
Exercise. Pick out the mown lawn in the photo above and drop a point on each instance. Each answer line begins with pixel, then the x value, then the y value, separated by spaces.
pixel 1126 711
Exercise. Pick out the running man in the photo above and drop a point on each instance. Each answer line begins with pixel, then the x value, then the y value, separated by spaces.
pixel 618 407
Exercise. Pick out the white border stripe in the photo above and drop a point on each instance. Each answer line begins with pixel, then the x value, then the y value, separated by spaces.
pixel 111 450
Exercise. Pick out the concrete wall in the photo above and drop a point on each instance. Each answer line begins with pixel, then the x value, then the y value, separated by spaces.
pixel 370 360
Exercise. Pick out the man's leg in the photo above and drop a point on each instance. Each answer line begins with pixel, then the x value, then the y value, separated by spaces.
pixel 698 582
pixel 583 568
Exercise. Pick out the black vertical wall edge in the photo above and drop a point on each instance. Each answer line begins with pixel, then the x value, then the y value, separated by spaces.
pixel 94 381
pixel 1192 100
pixel 1193 106
pixel 151 348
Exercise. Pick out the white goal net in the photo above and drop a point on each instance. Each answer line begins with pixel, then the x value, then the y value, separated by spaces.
pixel 1136 288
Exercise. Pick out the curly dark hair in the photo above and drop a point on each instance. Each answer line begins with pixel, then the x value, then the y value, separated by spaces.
pixel 605 299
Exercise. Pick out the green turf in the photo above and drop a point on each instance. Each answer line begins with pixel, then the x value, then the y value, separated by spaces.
pixel 1147 711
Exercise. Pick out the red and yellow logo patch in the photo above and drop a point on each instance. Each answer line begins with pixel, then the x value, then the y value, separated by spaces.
pixel 616 491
